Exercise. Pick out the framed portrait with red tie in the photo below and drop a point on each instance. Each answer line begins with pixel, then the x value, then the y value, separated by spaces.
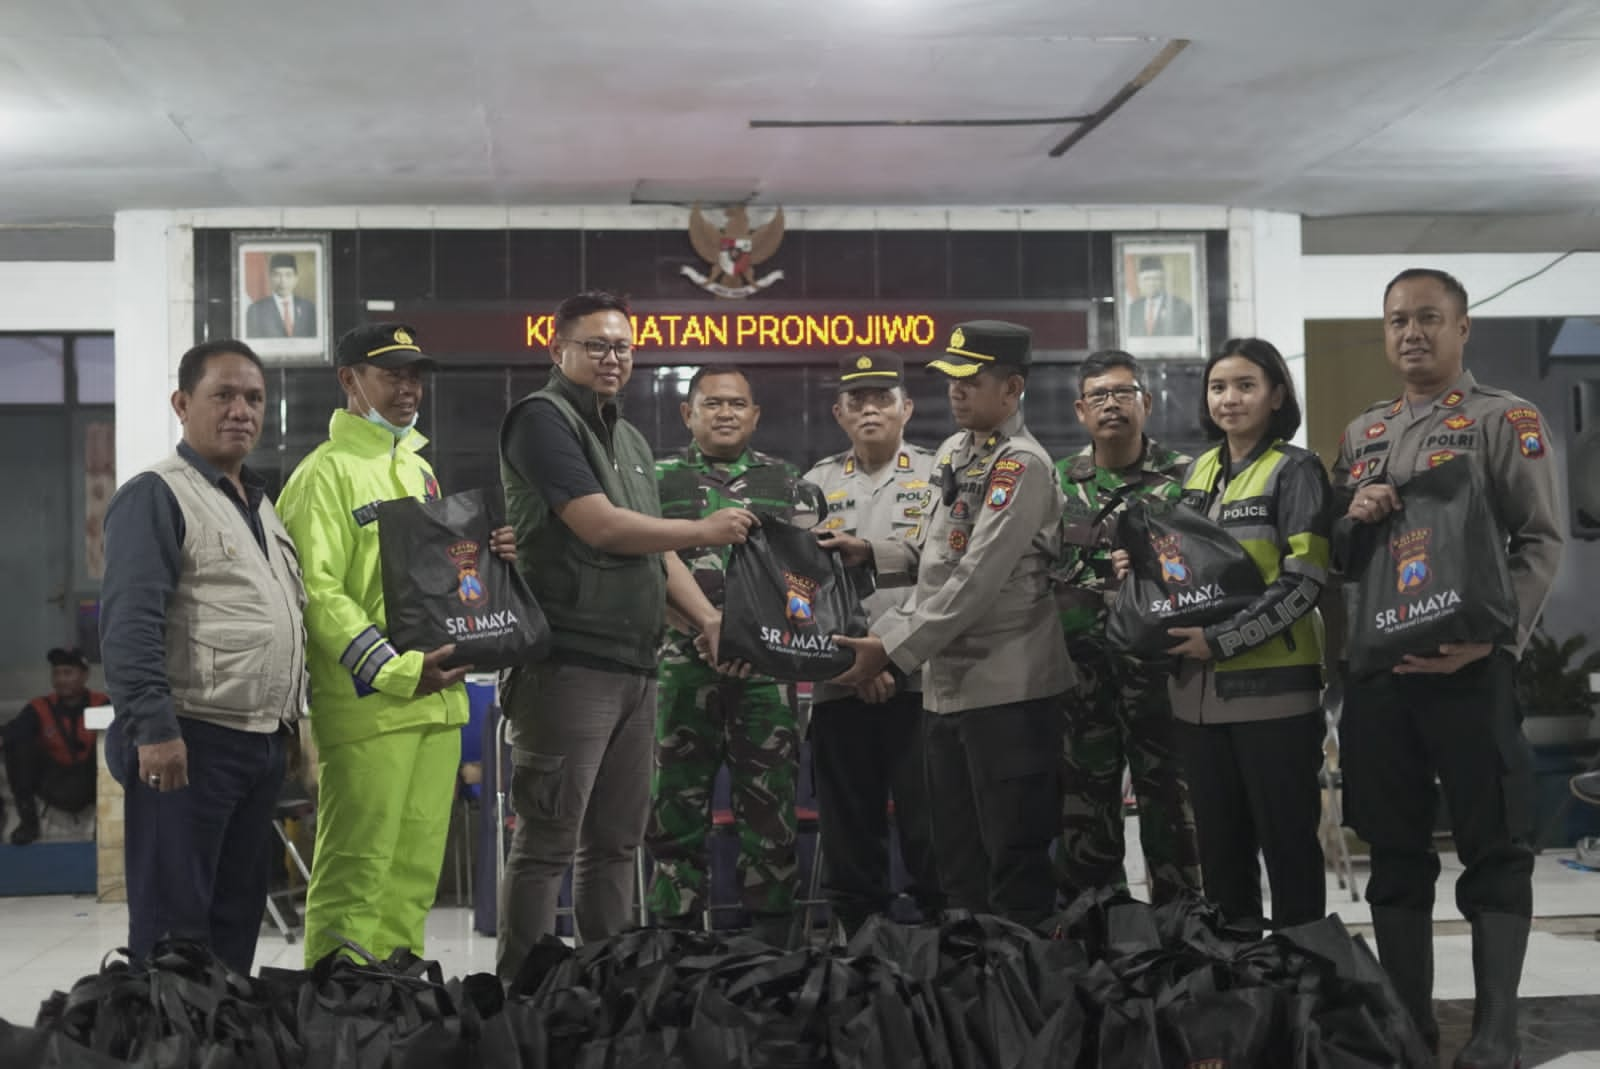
pixel 280 296
pixel 1161 293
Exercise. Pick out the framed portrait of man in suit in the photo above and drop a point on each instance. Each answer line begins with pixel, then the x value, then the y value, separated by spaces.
pixel 280 296
pixel 1161 294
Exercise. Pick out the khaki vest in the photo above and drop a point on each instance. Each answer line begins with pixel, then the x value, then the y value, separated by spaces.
pixel 236 645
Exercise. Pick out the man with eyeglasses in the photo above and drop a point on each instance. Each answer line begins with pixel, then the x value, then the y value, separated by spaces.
pixel 593 545
pixel 1121 714
pixel 863 754
pixel 705 721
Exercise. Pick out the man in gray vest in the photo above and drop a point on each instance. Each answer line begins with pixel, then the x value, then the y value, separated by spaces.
pixel 202 635
pixel 581 494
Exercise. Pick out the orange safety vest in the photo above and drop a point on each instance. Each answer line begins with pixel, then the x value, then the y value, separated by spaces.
pixel 55 743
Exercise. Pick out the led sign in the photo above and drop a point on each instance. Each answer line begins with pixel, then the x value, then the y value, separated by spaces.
pixel 763 330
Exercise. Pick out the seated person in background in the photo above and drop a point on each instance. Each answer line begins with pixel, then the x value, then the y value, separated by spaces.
pixel 49 753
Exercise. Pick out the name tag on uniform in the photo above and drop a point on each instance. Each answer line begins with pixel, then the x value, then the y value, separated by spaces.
pixel 366 513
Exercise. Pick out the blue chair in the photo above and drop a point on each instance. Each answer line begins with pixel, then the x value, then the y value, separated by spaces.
pixel 482 695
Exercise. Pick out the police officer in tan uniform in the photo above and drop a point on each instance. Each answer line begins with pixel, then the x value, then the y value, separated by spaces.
pixel 982 625
pixel 1453 715
pixel 880 488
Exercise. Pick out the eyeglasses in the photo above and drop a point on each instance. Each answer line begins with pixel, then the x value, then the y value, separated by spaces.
pixel 1124 395
pixel 598 348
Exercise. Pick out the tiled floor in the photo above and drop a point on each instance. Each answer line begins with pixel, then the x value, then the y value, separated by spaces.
pixel 47 943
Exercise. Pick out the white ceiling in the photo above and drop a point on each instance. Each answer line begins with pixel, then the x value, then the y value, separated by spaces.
pixel 1324 107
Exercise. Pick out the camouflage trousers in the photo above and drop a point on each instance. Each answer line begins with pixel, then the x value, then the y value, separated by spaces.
pixel 703 723
pixel 1121 715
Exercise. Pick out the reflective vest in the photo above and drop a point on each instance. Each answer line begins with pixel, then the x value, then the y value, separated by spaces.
pixel 1292 659
pixel 57 744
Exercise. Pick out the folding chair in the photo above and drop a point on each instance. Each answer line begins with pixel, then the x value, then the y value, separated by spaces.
pixel 293 804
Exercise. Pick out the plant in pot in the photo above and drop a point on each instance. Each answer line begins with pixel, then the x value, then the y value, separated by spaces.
pixel 1557 705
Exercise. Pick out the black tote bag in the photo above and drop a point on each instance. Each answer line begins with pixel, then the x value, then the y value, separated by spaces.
pixel 1434 571
pixel 784 596
pixel 442 584
pixel 1186 572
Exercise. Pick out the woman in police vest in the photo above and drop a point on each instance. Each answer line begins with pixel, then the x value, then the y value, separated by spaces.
pixel 1247 693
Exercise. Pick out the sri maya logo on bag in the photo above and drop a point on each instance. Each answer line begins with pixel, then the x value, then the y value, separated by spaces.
pixel 733 251
pixel 800 638
pixel 469 588
pixel 482 625
pixel 1173 568
pixel 1413 573
pixel 1175 571
pixel 802 591
pixel 1410 552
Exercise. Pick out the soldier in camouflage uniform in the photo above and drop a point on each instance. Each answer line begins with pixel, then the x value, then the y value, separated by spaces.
pixel 1121 713
pixel 704 719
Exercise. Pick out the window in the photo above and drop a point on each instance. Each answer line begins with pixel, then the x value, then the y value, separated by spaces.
pixel 32 370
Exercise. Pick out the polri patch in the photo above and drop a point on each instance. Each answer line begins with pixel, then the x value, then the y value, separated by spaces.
pixel 1002 488
pixel 1008 466
pixel 1530 434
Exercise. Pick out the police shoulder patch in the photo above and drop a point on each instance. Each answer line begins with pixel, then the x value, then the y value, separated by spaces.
pixel 1530 432
pixel 1009 466
pixel 1002 488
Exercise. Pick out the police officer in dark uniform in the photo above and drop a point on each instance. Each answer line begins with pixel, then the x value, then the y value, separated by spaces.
pixel 1454 714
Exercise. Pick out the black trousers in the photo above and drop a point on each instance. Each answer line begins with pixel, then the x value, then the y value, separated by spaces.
pixel 862 755
pixel 34 776
pixel 994 784
pixel 1254 790
pixel 1397 734
pixel 199 859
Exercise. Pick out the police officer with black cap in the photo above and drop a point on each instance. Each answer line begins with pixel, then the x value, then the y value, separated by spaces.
pixel 982 621
pixel 879 488
pixel 386 721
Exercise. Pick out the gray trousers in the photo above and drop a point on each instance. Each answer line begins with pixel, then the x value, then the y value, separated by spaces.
pixel 582 743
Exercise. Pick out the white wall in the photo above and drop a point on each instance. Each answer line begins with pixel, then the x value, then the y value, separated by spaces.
pixel 57 295
pixel 154 326
pixel 1351 287
pixel 1266 298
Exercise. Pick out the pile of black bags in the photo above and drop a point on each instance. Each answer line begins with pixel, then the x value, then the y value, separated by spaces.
pixel 1109 983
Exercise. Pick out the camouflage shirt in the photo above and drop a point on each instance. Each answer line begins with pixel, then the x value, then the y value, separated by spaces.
pixel 1095 496
pixel 693 485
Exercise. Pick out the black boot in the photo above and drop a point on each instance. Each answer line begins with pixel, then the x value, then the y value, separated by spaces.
pixel 1499 943
pixel 1405 947
pixel 27 832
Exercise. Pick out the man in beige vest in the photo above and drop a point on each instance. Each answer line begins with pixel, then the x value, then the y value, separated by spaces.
pixel 204 648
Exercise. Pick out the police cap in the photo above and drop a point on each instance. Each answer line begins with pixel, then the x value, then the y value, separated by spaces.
pixel 876 370
pixel 386 345
pixel 986 344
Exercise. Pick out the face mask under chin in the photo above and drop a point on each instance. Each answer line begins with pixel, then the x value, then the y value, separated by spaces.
pixel 373 416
